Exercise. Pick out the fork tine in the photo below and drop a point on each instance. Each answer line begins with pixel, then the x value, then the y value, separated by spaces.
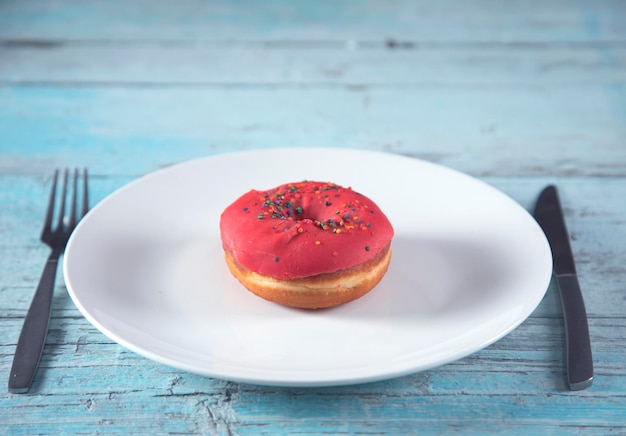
pixel 85 193
pixel 73 218
pixel 62 207
pixel 48 221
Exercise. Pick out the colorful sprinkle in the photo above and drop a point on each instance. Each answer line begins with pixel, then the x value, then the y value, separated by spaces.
pixel 285 203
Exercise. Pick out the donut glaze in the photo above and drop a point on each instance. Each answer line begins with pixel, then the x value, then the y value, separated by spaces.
pixel 304 229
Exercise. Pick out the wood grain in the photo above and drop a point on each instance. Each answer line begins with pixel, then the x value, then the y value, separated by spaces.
pixel 479 20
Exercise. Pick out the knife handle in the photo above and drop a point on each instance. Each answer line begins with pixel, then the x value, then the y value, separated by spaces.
pixel 577 343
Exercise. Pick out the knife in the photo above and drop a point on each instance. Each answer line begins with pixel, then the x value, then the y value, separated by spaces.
pixel 549 215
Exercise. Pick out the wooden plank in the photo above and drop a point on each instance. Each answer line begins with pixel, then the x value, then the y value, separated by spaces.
pixel 208 414
pixel 509 371
pixel 481 20
pixel 484 131
pixel 484 389
pixel 194 64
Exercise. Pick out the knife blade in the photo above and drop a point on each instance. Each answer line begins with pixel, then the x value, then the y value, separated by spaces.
pixel 579 362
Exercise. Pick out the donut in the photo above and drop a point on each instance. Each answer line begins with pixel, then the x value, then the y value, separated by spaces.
pixel 306 244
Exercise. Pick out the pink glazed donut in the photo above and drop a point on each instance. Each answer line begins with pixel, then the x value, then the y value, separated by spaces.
pixel 307 244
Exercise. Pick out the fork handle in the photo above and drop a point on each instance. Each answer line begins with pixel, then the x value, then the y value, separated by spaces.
pixel 33 336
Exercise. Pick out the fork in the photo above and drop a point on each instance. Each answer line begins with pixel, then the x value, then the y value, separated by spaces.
pixel 33 336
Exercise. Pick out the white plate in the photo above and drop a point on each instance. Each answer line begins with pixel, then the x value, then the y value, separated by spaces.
pixel 146 267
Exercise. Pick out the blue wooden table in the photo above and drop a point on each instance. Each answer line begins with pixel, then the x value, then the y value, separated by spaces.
pixel 518 94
